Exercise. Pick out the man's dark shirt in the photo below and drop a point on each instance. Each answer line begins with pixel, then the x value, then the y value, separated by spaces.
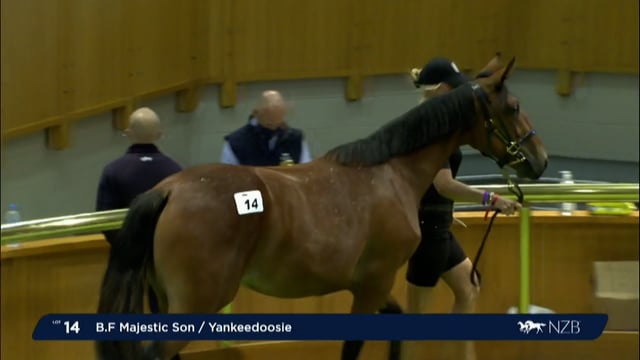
pixel 138 170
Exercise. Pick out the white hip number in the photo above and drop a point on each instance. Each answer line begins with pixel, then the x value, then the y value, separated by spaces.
pixel 249 202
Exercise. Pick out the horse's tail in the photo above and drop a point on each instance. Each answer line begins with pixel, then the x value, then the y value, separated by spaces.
pixel 124 281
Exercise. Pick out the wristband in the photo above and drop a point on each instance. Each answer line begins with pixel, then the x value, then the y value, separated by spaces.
pixel 485 198
pixel 494 199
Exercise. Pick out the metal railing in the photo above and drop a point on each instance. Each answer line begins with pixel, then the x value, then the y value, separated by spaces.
pixel 96 222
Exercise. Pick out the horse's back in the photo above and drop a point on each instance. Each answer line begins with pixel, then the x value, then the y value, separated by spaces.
pixel 219 190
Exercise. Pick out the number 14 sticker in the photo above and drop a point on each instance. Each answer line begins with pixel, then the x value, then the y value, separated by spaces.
pixel 249 202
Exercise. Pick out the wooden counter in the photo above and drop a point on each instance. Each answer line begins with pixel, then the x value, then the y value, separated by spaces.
pixel 63 276
pixel 618 346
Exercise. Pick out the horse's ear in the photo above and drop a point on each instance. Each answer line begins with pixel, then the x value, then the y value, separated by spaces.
pixel 492 66
pixel 507 71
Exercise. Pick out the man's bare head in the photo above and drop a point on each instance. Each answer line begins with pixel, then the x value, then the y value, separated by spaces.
pixel 144 126
pixel 271 110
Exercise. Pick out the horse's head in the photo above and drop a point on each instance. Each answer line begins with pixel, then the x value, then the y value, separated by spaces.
pixel 507 136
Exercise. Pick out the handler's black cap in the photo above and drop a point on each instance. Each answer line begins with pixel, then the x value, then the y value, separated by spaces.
pixel 441 70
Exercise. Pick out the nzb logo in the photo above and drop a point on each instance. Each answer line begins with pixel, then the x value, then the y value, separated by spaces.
pixel 529 325
pixel 558 327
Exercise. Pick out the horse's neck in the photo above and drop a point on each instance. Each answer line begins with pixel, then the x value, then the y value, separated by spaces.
pixel 418 169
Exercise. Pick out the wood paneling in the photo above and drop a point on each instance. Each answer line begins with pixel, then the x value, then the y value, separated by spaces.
pixel 284 39
pixel 30 65
pixel 219 36
pixel 606 37
pixel 54 283
pixel 94 35
pixel 562 261
pixel 52 276
pixel 477 30
pixel 395 33
pixel 160 38
pixel 619 346
pixel 68 59
pixel 540 33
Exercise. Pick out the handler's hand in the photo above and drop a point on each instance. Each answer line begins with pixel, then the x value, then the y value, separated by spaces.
pixel 506 206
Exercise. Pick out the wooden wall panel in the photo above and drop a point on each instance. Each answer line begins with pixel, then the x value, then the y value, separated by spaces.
pixel 396 33
pixel 200 37
pixel 30 65
pixel 482 29
pixel 160 33
pixel 217 46
pixel 540 35
pixel 66 59
pixel 278 39
pixel 27 288
pixel 402 35
pixel 562 261
pixel 95 64
pixel 606 37
pixel 613 345
pixel 49 281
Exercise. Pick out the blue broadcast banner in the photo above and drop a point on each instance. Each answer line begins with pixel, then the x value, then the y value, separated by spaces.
pixel 320 327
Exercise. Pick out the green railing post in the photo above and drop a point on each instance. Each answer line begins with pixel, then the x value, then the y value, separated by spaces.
pixel 525 257
pixel 227 310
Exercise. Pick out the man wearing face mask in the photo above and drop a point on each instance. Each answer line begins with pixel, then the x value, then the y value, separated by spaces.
pixel 266 140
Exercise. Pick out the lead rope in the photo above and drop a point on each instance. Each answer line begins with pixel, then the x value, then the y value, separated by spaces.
pixel 515 190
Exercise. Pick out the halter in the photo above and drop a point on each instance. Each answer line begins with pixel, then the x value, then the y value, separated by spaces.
pixel 513 149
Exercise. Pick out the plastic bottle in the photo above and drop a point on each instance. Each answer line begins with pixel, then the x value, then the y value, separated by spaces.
pixel 567 178
pixel 286 160
pixel 12 215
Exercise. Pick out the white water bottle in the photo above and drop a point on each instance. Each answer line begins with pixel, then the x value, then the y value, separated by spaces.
pixel 12 215
pixel 567 208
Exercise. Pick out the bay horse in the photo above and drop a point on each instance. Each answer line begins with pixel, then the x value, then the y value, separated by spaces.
pixel 345 221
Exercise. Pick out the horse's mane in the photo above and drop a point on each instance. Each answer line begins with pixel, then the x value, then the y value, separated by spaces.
pixel 426 123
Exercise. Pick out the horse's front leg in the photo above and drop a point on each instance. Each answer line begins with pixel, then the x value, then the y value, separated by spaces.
pixel 395 346
pixel 369 299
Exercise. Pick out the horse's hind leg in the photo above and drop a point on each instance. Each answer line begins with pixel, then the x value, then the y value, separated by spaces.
pixel 201 285
pixel 189 300
pixel 157 304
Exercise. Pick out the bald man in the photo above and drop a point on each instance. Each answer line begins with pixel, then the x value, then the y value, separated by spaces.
pixel 266 140
pixel 139 169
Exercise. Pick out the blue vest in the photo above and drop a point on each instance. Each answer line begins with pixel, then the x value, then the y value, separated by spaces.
pixel 250 144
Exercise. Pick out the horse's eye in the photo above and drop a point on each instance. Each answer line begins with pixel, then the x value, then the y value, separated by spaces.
pixel 516 108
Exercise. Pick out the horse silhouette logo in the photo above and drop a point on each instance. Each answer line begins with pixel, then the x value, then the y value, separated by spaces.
pixel 529 325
